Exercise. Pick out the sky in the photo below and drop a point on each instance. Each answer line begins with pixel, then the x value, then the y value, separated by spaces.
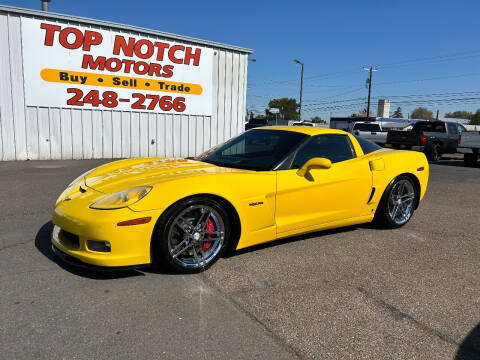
pixel 427 51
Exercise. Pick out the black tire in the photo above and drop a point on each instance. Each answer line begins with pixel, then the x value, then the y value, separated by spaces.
pixel 470 159
pixel 435 153
pixel 383 217
pixel 161 250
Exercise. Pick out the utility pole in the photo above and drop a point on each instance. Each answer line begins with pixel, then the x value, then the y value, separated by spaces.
pixel 301 90
pixel 371 69
pixel 437 114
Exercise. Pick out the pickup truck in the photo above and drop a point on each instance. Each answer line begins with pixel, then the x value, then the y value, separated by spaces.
pixel 469 146
pixel 302 123
pixel 434 138
pixel 370 131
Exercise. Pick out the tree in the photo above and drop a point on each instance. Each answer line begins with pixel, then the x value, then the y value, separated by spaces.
pixel 397 114
pixel 318 119
pixel 475 120
pixel 422 113
pixel 462 114
pixel 361 113
pixel 288 109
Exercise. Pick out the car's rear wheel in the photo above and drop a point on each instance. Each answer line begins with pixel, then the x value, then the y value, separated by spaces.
pixel 192 235
pixel 398 203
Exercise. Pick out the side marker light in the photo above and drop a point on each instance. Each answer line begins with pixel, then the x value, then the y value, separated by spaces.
pixel 138 221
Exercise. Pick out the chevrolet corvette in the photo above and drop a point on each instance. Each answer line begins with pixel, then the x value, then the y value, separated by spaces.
pixel 265 184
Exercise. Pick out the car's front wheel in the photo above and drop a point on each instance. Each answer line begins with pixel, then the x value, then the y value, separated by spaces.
pixel 191 235
pixel 398 203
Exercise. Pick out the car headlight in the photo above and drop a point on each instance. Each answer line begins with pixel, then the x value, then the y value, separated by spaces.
pixel 81 176
pixel 121 199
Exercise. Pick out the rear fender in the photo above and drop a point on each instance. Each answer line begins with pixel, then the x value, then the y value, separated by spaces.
pixel 413 164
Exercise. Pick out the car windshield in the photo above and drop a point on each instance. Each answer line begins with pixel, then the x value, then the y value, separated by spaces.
pixel 366 127
pixel 258 150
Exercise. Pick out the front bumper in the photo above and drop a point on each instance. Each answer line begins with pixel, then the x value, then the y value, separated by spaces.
pixel 76 224
pixel 78 263
pixel 466 150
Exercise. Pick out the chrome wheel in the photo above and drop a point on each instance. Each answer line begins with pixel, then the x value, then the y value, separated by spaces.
pixel 196 236
pixel 401 202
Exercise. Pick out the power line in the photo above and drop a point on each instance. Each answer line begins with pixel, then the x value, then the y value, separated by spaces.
pixel 407 62
pixel 451 56
pixel 444 101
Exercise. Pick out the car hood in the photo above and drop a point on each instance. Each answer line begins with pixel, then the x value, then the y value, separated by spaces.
pixel 128 173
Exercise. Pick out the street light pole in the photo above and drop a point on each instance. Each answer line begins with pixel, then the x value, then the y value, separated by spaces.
pixel 45 5
pixel 301 90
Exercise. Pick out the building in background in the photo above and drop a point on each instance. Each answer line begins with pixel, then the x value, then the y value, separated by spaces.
pixel 383 110
pixel 77 88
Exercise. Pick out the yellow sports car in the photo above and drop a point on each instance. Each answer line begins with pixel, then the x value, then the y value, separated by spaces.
pixel 266 184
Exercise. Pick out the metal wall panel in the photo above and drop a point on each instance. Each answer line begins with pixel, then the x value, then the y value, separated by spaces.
pixel 41 133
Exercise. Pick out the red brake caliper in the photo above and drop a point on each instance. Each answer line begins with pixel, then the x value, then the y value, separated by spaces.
pixel 209 227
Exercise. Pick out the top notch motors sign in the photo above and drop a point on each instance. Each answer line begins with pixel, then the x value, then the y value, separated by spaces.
pixel 77 67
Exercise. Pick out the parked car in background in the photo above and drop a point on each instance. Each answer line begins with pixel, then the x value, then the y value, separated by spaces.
pixel 253 123
pixel 302 123
pixel 370 131
pixel 434 138
pixel 469 146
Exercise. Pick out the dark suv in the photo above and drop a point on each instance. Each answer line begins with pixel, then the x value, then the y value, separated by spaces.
pixel 253 123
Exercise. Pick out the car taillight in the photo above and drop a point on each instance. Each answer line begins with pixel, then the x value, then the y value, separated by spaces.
pixel 459 138
pixel 423 139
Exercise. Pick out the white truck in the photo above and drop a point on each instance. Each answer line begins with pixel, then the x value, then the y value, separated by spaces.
pixel 370 131
pixel 469 146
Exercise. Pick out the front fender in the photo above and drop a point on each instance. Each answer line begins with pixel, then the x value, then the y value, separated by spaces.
pixel 252 194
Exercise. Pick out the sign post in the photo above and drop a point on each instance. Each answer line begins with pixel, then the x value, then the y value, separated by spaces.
pixel 275 111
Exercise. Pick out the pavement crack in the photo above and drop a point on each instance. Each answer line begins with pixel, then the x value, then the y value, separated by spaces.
pixel 397 315
pixel 279 340
pixel 15 245
pixel 27 272
pixel 6 216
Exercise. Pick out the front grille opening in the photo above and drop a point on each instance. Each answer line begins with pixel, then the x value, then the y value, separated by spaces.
pixel 69 238
pixel 100 246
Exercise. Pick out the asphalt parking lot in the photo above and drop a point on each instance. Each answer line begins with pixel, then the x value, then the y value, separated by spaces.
pixel 352 293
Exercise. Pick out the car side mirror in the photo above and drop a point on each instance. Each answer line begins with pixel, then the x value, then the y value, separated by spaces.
pixel 314 163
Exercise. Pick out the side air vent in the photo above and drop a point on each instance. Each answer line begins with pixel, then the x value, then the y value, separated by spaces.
pixel 371 195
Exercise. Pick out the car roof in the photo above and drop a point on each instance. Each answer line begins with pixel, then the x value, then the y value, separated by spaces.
pixel 303 129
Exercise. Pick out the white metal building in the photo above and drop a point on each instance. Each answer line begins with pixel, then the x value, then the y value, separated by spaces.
pixel 56 101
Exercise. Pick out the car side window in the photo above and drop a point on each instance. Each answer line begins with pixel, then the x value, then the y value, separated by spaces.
pixel 452 128
pixel 334 147
pixel 461 128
